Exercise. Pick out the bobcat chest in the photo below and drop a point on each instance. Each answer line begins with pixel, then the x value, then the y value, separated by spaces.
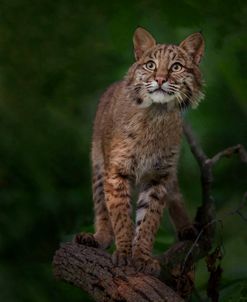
pixel 152 143
pixel 154 156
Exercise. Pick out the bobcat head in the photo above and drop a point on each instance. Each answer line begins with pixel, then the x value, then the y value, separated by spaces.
pixel 165 73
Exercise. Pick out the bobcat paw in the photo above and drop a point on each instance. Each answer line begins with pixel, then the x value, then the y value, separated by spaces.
pixel 188 233
pixel 120 258
pixel 86 239
pixel 147 265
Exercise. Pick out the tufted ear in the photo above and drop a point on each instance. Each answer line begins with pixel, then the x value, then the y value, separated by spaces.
pixel 194 45
pixel 142 40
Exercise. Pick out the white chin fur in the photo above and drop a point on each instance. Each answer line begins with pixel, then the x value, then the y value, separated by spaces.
pixel 160 97
pixel 155 97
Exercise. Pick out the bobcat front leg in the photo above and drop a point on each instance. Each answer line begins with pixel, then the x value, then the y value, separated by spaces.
pixel 150 207
pixel 117 194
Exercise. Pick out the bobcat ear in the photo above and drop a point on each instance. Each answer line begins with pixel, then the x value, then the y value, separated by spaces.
pixel 142 40
pixel 194 45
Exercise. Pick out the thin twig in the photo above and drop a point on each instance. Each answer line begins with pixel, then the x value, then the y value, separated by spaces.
pixel 196 241
pixel 195 147
pixel 229 152
pixel 206 213
pixel 240 207
pixel 220 220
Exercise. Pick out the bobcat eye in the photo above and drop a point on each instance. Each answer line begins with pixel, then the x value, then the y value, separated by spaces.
pixel 176 67
pixel 150 65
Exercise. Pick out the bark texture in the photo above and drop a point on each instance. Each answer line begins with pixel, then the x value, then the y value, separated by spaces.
pixel 92 270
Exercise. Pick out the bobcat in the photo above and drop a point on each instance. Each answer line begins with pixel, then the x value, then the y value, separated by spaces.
pixel 136 142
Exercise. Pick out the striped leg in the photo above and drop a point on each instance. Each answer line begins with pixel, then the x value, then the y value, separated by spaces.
pixel 150 207
pixel 103 236
pixel 103 229
pixel 117 192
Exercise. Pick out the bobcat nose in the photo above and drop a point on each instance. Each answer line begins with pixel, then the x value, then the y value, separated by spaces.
pixel 160 80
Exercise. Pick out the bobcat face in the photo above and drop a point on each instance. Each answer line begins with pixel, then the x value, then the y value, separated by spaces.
pixel 166 73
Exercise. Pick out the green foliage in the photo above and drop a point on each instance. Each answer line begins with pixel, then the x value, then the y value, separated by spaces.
pixel 56 58
pixel 235 292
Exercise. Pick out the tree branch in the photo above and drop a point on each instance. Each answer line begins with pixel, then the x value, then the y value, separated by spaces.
pixel 239 149
pixel 92 270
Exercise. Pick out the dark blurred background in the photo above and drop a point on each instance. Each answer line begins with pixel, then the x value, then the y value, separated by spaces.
pixel 56 58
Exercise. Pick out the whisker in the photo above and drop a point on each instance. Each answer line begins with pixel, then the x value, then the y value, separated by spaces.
pixel 174 85
pixel 186 100
pixel 186 95
pixel 179 103
pixel 172 89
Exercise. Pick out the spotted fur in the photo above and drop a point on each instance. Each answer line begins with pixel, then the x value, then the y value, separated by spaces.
pixel 136 142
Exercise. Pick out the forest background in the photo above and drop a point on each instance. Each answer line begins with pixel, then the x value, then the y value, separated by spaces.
pixel 56 58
